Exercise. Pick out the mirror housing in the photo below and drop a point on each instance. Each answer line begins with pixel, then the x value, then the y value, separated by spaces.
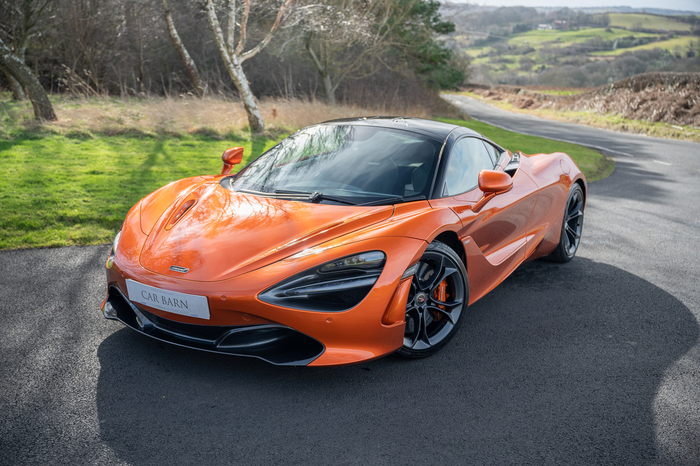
pixel 231 157
pixel 492 181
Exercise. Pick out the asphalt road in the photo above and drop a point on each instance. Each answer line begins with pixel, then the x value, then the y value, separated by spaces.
pixel 592 362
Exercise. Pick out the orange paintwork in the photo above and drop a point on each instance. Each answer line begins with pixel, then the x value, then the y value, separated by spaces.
pixel 231 157
pixel 492 181
pixel 237 245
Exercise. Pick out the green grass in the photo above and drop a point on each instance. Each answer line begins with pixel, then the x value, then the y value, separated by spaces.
pixel 643 21
pixel 61 191
pixel 57 190
pixel 592 163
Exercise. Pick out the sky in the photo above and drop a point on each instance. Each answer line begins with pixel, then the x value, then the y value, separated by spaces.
pixel 689 5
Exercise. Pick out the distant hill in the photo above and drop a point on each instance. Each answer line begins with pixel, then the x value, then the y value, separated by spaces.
pixel 588 10
pixel 569 47
pixel 626 9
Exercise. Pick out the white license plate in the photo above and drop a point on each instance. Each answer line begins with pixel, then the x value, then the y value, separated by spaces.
pixel 169 301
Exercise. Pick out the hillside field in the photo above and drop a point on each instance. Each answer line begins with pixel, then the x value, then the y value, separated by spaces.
pixel 642 21
pixel 674 45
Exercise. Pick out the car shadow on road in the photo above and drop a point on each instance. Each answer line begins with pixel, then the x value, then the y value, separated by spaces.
pixel 560 364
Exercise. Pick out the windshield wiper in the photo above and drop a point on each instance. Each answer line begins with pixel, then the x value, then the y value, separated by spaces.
pixel 314 197
pixel 257 193
pixel 398 199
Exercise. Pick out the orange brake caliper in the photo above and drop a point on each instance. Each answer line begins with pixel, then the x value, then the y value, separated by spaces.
pixel 441 295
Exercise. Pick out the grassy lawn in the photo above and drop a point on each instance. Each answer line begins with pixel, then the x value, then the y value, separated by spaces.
pixel 642 21
pixel 60 191
pixel 591 162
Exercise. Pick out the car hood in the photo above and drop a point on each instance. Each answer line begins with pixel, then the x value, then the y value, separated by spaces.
pixel 224 234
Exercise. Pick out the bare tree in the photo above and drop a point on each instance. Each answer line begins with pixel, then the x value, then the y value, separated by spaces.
pixel 43 110
pixel 182 51
pixel 353 39
pixel 235 56
pixel 349 39
pixel 19 21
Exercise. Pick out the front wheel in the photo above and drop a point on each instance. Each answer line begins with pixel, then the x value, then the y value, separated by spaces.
pixel 572 227
pixel 439 296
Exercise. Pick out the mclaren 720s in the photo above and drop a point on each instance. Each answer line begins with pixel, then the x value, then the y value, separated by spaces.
pixel 347 241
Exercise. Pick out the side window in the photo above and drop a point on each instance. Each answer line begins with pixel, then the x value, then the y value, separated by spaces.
pixel 493 152
pixel 467 158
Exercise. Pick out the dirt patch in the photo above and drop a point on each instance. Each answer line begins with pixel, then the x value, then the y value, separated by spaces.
pixel 672 98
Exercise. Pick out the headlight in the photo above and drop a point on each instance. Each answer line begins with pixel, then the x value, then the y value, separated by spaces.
pixel 332 287
pixel 110 260
pixel 366 260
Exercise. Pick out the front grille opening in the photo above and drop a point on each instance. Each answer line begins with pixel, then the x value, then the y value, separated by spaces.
pixel 273 343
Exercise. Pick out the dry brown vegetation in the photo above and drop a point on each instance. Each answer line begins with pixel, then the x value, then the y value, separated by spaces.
pixel 672 98
pixel 207 116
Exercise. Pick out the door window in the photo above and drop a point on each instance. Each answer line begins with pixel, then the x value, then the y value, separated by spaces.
pixel 467 158
pixel 493 152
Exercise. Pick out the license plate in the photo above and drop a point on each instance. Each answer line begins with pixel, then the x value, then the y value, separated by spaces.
pixel 170 301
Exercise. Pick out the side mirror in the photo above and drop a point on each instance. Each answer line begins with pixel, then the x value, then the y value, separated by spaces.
pixel 491 181
pixel 231 157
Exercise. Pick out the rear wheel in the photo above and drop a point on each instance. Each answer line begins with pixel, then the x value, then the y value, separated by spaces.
pixel 571 228
pixel 439 296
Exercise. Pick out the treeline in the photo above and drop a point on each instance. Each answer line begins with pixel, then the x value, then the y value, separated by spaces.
pixel 513 20
pixel 347 50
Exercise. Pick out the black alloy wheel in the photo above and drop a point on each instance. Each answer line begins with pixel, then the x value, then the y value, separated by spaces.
pixel 439 296
pixel 571 228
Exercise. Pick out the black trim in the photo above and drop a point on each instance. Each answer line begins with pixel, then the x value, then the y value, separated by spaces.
pixel 316 290
pixel 274 343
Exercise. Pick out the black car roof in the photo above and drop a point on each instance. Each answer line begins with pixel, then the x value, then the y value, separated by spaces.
pixel 436 129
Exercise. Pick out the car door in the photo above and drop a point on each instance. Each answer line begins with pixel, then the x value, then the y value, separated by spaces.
pixel 497 228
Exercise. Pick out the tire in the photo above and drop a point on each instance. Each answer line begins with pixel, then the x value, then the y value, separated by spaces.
pixel 431 322
pixel 571 227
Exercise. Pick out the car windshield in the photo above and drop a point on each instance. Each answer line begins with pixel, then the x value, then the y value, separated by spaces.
pixel 344 164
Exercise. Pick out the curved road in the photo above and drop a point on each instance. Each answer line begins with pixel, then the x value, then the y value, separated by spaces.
pixel 592 362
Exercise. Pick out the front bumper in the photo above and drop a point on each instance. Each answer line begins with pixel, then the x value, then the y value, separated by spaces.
pixel 273 343
pixel 361 333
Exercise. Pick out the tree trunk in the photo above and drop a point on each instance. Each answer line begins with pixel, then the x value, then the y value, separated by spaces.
pixel 235 70
pixel 16 87
pixel 184 55
pixel 322 67
pixel 43 110
pixel 328 87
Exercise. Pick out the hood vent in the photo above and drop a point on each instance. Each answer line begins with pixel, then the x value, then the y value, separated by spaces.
pixel 179 213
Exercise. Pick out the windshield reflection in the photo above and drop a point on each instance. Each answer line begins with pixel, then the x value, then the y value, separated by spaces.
pixel 359 163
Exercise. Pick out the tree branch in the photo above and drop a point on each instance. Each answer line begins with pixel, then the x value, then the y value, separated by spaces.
pixel 231 24
pixel 317 62
pixel 216 30
pixel 244 27
pixel 254 51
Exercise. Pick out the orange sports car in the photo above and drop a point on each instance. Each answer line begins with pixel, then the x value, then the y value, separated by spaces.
pixel 347 241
